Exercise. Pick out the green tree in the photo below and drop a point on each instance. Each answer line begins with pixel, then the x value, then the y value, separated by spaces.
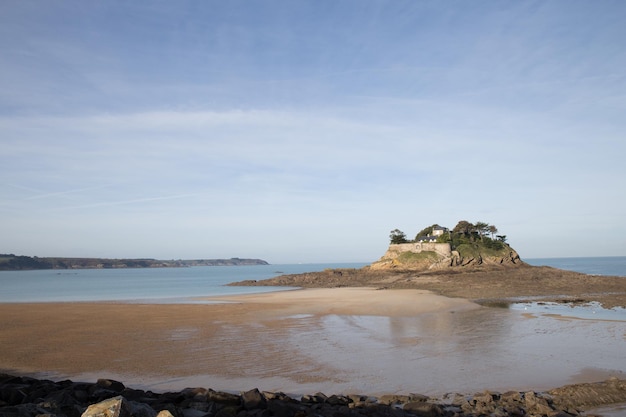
pixel 493 230
pixel 397 236
pixel 463 227
pixel 481 228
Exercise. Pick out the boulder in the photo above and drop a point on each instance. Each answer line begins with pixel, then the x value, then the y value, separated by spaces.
pixel 113 407
pixel 110 384
pixel 338 400
pixel 253 400
pixel 318 398
pixel 223 398
pixel 424 409
pixel 22 410
pixel 391 399
pixel 536 404
pixel 141 410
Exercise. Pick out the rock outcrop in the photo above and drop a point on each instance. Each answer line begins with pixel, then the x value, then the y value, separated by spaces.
pixel 418 256
pixel 29 397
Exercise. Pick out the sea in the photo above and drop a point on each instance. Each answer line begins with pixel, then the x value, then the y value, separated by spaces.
pixel 166 285
pixel 607 265
pixel 146 285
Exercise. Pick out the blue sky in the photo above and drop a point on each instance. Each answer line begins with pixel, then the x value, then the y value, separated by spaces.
pixel 304 131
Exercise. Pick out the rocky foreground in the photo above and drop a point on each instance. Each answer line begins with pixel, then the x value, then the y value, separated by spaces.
pixel 29 397
pixel 485 284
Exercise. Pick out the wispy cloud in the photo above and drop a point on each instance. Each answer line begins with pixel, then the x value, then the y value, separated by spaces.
pixel 170 126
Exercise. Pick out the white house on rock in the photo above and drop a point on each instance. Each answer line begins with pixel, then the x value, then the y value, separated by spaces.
pixel 437 231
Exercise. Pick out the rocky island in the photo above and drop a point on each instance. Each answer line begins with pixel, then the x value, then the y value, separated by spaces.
pixel 464 262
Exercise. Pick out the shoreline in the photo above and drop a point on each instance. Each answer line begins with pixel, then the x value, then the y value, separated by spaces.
pixel 486 284
pixel 300 341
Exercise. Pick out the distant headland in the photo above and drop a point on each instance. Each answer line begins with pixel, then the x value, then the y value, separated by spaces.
pixel 11 262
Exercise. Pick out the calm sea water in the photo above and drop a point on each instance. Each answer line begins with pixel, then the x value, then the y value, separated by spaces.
pixel 171 284
pixel 610 265
pixel 142 284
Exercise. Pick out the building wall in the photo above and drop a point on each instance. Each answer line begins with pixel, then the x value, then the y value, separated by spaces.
pixel 417 247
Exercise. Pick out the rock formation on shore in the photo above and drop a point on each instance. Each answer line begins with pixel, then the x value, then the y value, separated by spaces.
pixel 30 397
pixel 437 247
pixel 431 256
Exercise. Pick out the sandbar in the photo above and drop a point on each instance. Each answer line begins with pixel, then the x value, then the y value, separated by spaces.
pixel 358 340
pixel 350 301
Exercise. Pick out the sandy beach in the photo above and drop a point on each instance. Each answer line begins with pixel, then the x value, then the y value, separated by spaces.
pixel 330 339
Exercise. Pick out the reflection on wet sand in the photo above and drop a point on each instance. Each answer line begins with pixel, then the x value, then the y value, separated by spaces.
pixel 331 340
pixel 467 351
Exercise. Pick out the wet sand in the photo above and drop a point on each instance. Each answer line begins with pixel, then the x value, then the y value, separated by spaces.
pixel 340 340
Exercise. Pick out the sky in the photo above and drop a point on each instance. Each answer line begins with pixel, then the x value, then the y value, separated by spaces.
pixel 305 131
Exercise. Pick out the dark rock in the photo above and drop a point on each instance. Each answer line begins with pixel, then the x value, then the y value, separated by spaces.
pixel 279 396
pixel 137 395
pixel 253 399
pixel 171 397
pixel 194 392
pixel 22 410
pixel 38 391
pixel 111 384
pixel 284 408
pixel 28 397
pixel 338 400
pixel 141 410
pixel 424 409
pixel 228 411
pixel 224 398
pixel 13 394
pixel 63 403
pixel 318 398
pixel 199 405
pixel 393 399
pixel 354 398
